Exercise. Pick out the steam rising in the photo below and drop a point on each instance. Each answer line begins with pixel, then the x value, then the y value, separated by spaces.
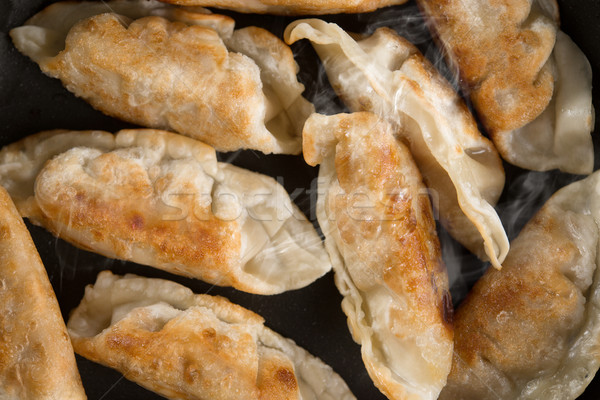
pixel 523 196
pixel 525 193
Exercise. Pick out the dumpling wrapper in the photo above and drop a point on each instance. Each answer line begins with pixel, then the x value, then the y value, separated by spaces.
pixel 292 7
pixel 177 69
pixel 36 357
pixel 161 199
pixel 380 233
pixel 182 345
pixel 529 83
pixel 385 74
pixel 532 330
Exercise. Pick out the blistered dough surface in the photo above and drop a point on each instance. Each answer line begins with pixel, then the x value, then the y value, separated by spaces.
pixel 161 199
pixel 377 219
pixel 164 337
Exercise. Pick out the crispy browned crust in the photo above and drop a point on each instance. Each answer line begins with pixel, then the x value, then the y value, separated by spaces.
pixel 186 346
pixel 407 251
pixel 199 245
pixel 167 56
pixel 190 356
pixel 461 166
pixel 517 324
pixel 100 209
pixel 500 49
pixel 175 71
pixel 396 243
pixel 36 356
pixel 161 199
pixel 377 212
pixel 292 7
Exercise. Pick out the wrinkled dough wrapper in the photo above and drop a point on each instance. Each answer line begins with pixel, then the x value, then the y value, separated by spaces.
pixel 165 67
pixel 532 330
pixel 181 345
pixel 161 199
pixel 387 75
pixel 292 7
pixel 36 357
pixel 380 234
pixel 559 138
pixel 529 83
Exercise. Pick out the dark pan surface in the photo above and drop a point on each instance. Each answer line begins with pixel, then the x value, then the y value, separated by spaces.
pixel 31 102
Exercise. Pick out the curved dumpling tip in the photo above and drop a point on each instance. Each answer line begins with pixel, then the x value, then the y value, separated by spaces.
pixel 163 200
pixel 165 67
pixel 385 74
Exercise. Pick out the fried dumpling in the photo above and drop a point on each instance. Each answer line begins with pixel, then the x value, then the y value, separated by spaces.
pixel 529 83
pixel 532 330
pixel 380 234
pixel 292 7
pixel 161 199
pixel 164 67
pixel 385 74
pixel 36 357
pixel 182 345
pixel 21 162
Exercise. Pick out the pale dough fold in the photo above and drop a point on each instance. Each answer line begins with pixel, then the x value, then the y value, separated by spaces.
pixel 162 199
pixel 165 67
pixel 380 234
pixel 182 345
pixel 385 74
pixel 529 83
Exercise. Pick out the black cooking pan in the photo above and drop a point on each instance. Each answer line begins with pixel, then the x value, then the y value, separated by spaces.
pixel 31 102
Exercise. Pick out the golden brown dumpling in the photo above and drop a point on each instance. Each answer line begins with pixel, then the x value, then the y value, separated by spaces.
pixel 385 74
pixel 380 234
pixel 161 199
pixel 292 7
pixel 36 357
pixel 529 83
pixel 532 330
pixel 183 345
pixel 164 67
